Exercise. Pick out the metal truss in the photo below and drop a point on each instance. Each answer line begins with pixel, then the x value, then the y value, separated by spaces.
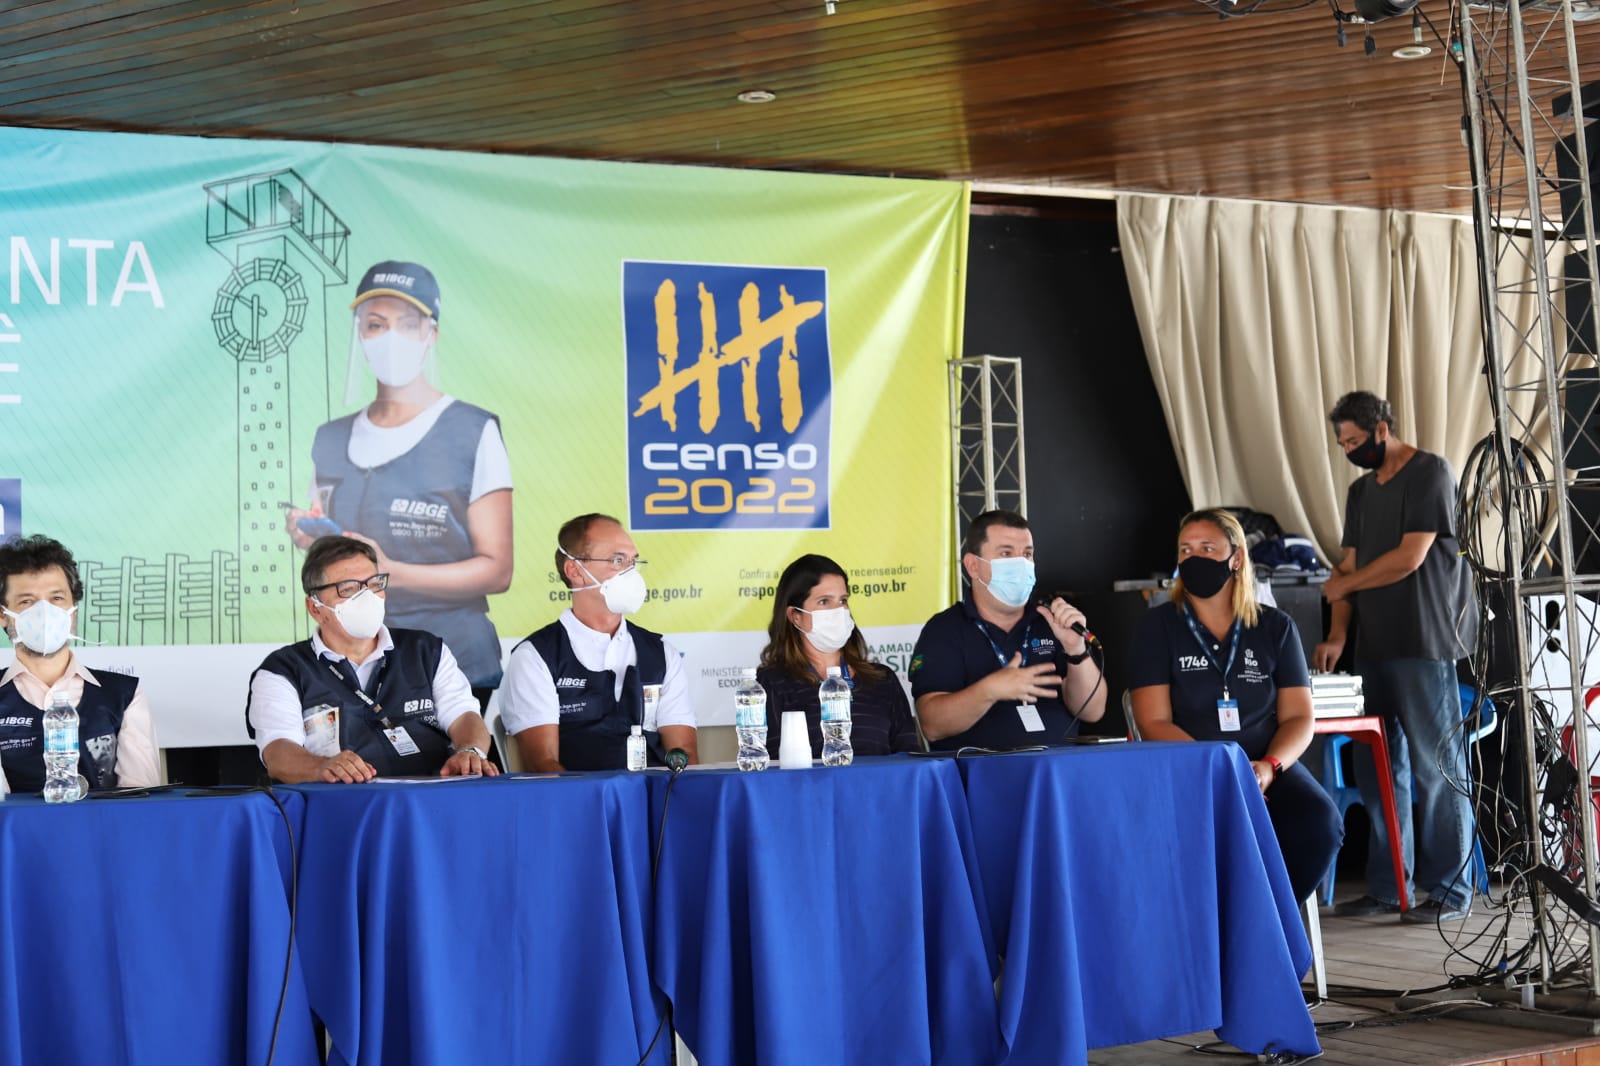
pixel 1535 529
pixel 987 462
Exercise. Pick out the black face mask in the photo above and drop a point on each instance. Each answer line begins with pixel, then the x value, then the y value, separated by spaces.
pixel 1203 578
pixel 1368 455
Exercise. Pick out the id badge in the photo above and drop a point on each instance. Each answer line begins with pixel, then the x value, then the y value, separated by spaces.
pixel 1228 715
pixel 322 730
pixel 403 744
pixel 652 697
pixel 1030 718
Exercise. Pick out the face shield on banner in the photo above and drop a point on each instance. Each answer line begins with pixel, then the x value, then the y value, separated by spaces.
pixel 389 356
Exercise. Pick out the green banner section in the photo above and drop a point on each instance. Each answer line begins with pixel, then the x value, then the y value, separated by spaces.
pixel 742 366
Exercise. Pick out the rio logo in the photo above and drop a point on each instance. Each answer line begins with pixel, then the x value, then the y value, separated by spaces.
pixel 730 384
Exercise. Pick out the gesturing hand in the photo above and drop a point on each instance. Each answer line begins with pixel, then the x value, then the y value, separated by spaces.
pixel 1024 684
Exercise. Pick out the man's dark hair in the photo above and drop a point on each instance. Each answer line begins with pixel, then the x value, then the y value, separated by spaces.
pixel 978 533
pixel 573 540
pixel 325 551
pixel 1365 409
pixel 29 555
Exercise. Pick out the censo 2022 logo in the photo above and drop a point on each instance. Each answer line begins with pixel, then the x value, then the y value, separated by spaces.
pixel 730 390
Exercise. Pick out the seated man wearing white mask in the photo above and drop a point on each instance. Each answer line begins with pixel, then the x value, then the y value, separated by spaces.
pixel 575 689
pixel 39 594
pixel 360 699
pixel 1000 669
pixel 421 476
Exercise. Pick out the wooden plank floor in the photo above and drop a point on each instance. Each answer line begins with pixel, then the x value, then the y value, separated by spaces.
pixel 1387 954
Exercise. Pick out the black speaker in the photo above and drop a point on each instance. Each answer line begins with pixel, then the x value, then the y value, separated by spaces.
pixel 1577 303
pixel 1570 180
pixel 1580 418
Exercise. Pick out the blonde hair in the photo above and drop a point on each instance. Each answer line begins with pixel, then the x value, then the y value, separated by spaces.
pixel 1245 607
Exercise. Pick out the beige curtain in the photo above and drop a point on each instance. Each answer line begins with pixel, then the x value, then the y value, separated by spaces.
pixel 1256 317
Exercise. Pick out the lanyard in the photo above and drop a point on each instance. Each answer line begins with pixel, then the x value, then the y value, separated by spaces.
pixel 377 687
pixel 844 672
pixel 1205 646
pixel 1027 630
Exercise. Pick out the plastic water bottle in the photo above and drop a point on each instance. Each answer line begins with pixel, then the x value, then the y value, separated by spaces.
pixel 834 695
pixel 636 749
pixel 750 718
pixel 61 751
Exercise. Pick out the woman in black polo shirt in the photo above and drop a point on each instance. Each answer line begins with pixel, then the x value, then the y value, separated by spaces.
pixel 811 630
pixel 1212 664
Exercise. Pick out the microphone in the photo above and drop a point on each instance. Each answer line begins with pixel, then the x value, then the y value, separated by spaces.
pixel 1082 631
pixel 677 759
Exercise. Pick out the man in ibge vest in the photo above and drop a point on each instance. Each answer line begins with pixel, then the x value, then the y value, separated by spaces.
pixel 39 594
pixel 574 690
pixel 360 699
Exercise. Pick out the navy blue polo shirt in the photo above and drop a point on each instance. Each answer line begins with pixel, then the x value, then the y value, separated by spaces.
pixel 1165 652
pixel 957 648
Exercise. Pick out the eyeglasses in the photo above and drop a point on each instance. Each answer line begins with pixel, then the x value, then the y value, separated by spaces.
pixel 345 589
pixel 620 561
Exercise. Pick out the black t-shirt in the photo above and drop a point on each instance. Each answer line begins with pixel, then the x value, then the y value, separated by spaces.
pixel 957 648
pixel 1431 612
pixel 1165 652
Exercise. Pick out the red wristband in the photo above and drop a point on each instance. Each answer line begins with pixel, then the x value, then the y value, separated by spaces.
pixel 1277 767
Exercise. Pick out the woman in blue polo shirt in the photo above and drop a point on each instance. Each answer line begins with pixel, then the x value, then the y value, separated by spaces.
pixel 1212 664
pixel 811 630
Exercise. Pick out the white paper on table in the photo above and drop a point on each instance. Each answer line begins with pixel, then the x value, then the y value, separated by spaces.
pixel 425 779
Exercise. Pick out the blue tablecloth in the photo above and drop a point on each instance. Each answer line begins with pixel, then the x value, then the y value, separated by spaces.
pixel 1136 892
pixel 498 920
pixel 166 938
pixel 821 915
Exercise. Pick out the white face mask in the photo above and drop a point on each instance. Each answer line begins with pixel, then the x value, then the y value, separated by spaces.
pixel 44 628
pixel 395 358
pixel 624 593
pixel 361 615
pixel 830 629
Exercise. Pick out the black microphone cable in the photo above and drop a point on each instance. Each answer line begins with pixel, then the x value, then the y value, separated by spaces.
pixel 677 760
pixel 294 894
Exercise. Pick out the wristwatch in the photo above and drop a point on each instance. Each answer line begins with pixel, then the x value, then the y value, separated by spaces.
pixel 1074 660
pixel 475 750
pixel 1277 767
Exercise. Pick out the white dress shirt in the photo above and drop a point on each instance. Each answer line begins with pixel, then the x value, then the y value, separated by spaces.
pixel 528 693
pixel 275 704
pixel 138 757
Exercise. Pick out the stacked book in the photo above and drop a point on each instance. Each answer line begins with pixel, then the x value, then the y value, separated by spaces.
pixel 1337 696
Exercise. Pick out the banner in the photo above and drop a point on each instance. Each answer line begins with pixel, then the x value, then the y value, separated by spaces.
pixel 740 366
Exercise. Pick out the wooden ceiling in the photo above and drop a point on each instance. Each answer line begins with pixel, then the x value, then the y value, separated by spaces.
pixel 1156 95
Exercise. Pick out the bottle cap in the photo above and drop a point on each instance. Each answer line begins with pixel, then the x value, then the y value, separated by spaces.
pixel 833 671
pixel 748 671
pixel 638 731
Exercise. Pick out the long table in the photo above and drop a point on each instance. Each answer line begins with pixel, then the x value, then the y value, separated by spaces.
pixel 823 915
pixel 861 914
pixel 1173 842
pixel 496 920
pixel 147 932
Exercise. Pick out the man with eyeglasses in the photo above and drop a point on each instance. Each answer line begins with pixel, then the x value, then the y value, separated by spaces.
pixel 359 699
pixel 574 690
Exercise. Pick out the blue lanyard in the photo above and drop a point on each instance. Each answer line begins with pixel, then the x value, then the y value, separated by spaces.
pixel 1205 645
pixel 844 672
pixel 1027 630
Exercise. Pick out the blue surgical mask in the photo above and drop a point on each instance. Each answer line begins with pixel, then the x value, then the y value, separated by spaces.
pixel 1011 580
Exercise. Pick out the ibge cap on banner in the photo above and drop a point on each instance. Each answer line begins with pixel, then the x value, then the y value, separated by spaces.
pixel 411 282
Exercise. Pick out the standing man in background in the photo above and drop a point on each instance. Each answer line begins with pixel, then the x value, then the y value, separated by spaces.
pixel 1402 569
